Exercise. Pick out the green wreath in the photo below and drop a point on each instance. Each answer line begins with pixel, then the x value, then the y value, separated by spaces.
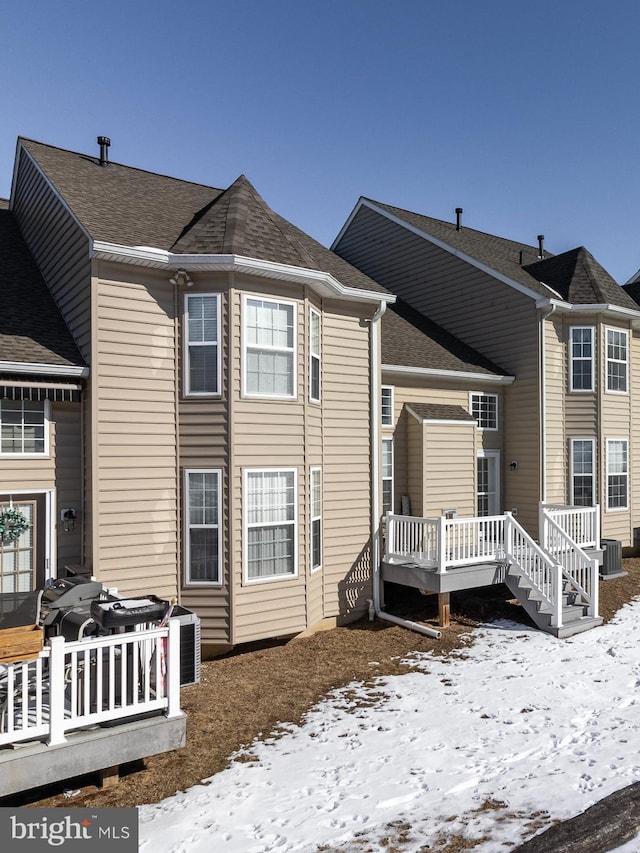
pixel 13 524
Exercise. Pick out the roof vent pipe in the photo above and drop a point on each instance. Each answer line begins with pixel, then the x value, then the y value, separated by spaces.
pixel 458 219
pixel 104 142
pixel 541 245
pixel 521 257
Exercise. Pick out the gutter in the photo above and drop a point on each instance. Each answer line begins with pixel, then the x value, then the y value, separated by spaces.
pixel 375 607
pixel 150 257
pixel 59 371
pixel 464 375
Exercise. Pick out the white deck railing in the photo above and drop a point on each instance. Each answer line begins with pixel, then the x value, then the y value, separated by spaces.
pixel 580 523
pixel 443 543
pixel 579 569
pixel 95 680
pixel 540 568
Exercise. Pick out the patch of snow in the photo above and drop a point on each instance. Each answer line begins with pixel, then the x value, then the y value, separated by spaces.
pixel 519 730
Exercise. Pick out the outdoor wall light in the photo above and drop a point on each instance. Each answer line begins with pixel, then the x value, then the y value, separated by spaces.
pixel 68 517
pixel 181 277
pixel 513 466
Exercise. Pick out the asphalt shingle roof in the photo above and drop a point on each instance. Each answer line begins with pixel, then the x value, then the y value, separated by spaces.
pixel 439 412
pixel 32 330
pixel 410 339
pixel 131 207
pixel 520 261
pixel 580 279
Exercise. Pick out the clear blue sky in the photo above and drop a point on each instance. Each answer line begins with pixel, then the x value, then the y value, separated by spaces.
pixel 524 114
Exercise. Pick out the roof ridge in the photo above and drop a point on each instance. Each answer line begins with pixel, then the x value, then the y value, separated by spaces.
pixel 450 224
pixel 120 165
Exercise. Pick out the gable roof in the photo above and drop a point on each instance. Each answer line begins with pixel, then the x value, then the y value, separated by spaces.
pixel 438 412
pixel 409 339
pixel 32 330
pixel 130 207
pixel 515 260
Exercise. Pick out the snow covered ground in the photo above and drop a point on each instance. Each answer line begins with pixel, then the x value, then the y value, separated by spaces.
pixel 518 725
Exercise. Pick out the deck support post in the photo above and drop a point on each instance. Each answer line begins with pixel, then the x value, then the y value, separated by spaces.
pixel 109 776
pixel 444 610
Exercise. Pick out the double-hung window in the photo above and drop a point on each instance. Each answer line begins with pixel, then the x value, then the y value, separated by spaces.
pixel 484 408
pixel 314 356
pixel 315 502
pixel 387 475
pixel 582 471
pixel 202 517
pixel 24 427
pixel 617 360
pixel 270 524
pixel 202 324
pixel 387 405
pixel 269 348
pixel 617 473
pixel 581 376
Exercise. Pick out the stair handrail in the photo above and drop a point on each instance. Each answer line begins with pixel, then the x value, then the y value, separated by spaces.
pixel 583 564
pixel 547 580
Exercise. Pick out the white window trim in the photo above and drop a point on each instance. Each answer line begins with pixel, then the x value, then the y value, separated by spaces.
pixel 608 441
pixel 391 390
pixel 390 479
pixel 187 547
pixel 294 349
pixel 573 473
pixel 314 312
pixel 186 347
pixel 572 360
pixel 47 430
pixel 625 332
pixel 315 469
pixel 473 394
pixel 245 526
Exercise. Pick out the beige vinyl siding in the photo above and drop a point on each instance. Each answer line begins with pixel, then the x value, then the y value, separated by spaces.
pixel 347 462
pixel 297 434
pixel 556 456
pixel 267 434
pixel 408 443
pixel 634 450
pixel 410 465
pixel 59 246
pixel 490 316
pixel 204 440
pixel 615 418
pixel 134 460
pixel 449 468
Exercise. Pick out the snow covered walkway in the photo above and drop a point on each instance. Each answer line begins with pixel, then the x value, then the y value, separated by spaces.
pixel 479 745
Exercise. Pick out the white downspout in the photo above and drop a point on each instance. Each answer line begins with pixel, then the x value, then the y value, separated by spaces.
pixel 374 606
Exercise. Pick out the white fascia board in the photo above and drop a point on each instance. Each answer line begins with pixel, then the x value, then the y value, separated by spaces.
pixel 635 277
pixel 433 373
pixel 465 422
pixel 442 245
pixel 604 308
pixel 61 370
pixel 148 256
pixel 60 198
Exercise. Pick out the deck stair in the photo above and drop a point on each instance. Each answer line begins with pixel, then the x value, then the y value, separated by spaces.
pixel 555 579
pixel 575 618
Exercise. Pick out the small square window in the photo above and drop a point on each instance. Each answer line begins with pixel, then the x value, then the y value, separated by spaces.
pixel 484 408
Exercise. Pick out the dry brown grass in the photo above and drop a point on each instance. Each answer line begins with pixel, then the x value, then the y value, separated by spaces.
pixel 247 694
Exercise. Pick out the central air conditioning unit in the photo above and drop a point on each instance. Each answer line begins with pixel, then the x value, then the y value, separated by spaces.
pixel 190 648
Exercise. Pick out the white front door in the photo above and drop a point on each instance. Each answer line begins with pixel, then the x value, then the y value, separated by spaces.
pixel 488 483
